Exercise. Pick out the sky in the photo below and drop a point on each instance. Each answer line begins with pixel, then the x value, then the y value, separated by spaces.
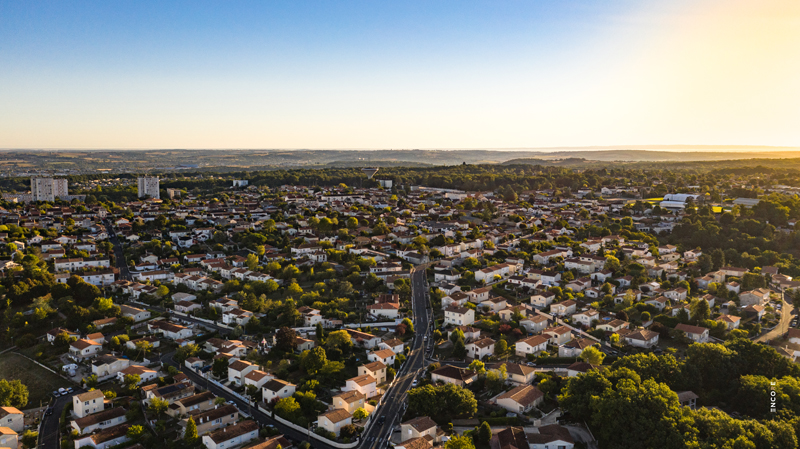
pixel 398 74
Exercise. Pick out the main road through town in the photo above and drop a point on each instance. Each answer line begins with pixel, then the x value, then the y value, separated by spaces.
pixel 394 402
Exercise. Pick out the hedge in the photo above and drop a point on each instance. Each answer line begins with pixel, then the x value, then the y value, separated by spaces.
pixel 502 421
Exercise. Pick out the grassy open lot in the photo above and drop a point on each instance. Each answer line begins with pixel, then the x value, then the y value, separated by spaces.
pixel 40 382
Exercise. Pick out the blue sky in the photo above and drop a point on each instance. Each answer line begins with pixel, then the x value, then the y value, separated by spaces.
pixel 431 74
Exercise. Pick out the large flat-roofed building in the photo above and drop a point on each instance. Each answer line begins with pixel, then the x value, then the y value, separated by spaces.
pixel 48 189
pixel 149 186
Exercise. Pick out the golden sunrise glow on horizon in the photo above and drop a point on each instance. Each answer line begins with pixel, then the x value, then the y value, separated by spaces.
pixel 698 73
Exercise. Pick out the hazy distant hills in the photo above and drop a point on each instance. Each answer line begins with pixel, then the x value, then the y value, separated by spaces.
pixel 21 162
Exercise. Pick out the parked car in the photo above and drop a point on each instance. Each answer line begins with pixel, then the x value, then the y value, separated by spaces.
pixel 56 394
pixel 62 391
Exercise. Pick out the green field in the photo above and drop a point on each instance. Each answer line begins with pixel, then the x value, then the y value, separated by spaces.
pixel 40 382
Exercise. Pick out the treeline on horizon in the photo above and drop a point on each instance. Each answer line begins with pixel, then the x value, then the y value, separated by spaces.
pixel 485 177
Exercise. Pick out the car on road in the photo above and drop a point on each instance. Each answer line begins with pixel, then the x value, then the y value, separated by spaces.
pixel 49 411
pixel 531 363
pixel 414 383
pixel 381 420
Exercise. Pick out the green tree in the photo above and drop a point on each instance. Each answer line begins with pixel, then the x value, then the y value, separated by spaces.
pixel 190 434
pixel 252 261
pixel 360 414
pixel 135 432
pixel 286 339
pixel 314 360
pixel 700 310
pixel 29 438
pixel 593 356
pixel 339 340
pixel 662 426
pixel 409 325
pixel 287 408
pixel 477 366
pixel 500 347
pixel 579 391
pixel 459 349
pixel 131 381
pixel 459 442
pixel 220 367
pixel 484 433
pixel 162 291
pixel 185 352
pixel 158 406
pixel 13 394
pixel 90 381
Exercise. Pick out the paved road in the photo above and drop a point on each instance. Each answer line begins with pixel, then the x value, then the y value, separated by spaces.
pixel 49 436
pixel 124 271
pixel 394 404
pixel 783 324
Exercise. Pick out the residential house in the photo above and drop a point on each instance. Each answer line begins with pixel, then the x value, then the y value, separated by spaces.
pixel 757 297
pixel 334 420
pixel 575 347
pixel 135 313
pixel 349 400
pixel 695 333
pixel 106 438
pixel 520 399
pixel 216 418
pixel 233 436
pixel 563 308
pixel 277 389
pixel 376 369
pixel 385 356
pixel 480 348
pixel 238 370
pixel 145 374
pixel 458 316
pixel 197 403
pixel 12 418
pixel 98 421
pixel 84 349
pixel 641 338
pixel 419 427
pixel 558 335
pixel 515 373
pixel 257 378
pixel 85 404
pixel 531 345
pixel 551 436
pixel 453 375
pixel 364 384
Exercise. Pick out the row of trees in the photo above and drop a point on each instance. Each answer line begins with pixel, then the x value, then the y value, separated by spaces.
pixel 634 404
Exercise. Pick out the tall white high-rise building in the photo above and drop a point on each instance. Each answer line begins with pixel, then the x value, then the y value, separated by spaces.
pixel 149 186
pixel 48 189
